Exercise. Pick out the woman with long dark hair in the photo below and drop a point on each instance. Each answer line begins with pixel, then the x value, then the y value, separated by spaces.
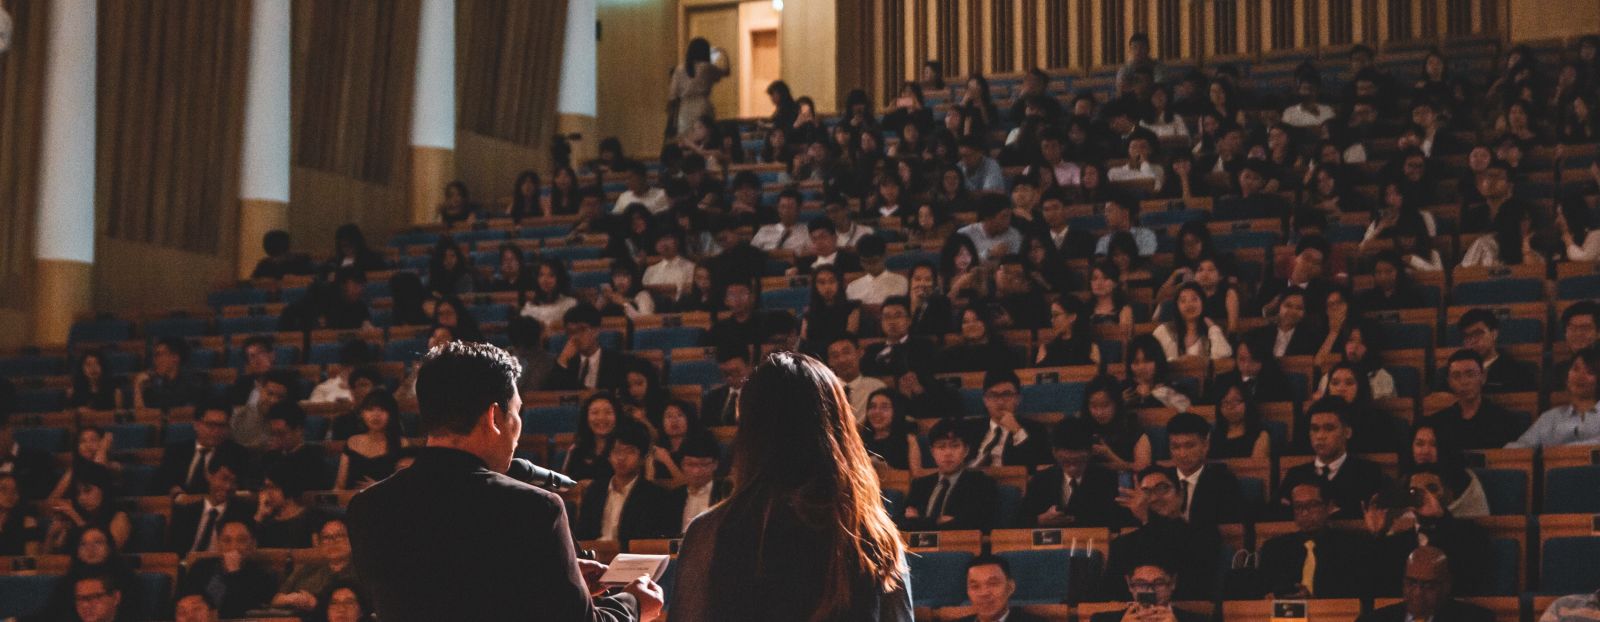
pixel 831 314
pixel 565 194
pixel 93 387
pixel 1239 432
pixel 1119 443
pixel 784 107
pixel 449 269
pixel 980 347
pixel 512 274
pixel 692 82
pixel 1428 447
pixel 804 535
pixel 372 455
pixel 92 504
pixel 598 419
pixel 1148 385
pixel 1073 343
pixel 525 199
pixel 887 432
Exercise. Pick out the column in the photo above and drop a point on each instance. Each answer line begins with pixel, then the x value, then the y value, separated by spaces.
pixel 575 104
pixel 433 109
pixel 264 165
pixel 66 221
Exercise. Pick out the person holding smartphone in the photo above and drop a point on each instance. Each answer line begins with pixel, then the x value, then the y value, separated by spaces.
pixel 1151 585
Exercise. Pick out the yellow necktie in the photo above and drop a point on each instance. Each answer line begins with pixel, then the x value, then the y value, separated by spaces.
pixel 1308 572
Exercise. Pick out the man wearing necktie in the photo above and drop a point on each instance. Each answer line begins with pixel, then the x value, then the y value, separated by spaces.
pixel 954 497
pixel 1008 440
pixel 1075 492
pixel 1352 479
pixel 1316 560
pixel 195 525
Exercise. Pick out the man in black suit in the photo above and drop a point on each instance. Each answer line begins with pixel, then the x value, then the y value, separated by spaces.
pixel 1210 491
pixel 1163 538
pixel 452 538
pixel 989 589
pixel 1158 580
pixel 184 464
pixel 719 406
pixel 583 364
pixel 1007 440
pixel 195 526
pixel 1424 519
pixel 702 488
pixel 625 505
pixel 259 358
pixel 1337 556
pixel 1480 332
pixel 286 445
pixel 232 580
pixel 1075 492
pixel 899 350
pixel 826 251
pixel 955 497
pixel 1427 587
pixel 1473 422
pixel 1353 480
pixel 1306 274
pixel 1499 194
pixel 740 326
pixel 1071 242
pixel 1580 324
pixel 1291 334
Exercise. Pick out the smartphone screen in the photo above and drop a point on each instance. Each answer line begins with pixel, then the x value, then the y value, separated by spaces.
pixel 1125 479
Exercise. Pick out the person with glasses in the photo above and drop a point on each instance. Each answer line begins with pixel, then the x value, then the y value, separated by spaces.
pixel 1317 559
pixel 1075 492
pixel 1152 586
pixel 345 603
pixel 1480 332
pixel 305 587
pixel 1405 519
pixel 1578 421
pixel 183 463
pixel 1427 593
pixel 953 497
pixel 97 598
pixel 1163 538
pixel 286 445
pixel 1007 439
pixel 236 580
pixel 1473 422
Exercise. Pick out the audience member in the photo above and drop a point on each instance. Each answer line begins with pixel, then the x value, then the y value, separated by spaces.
pixel 1578 331
pixel 1480 332
pixel 1427 589
pixel 1008 439
pixel 625 504
pixel 1578 421
pixel 583 363
pixel 954 497
pixel 990 587
pixel 196 525
pixel 167 384
pixel 1352 479
pixel 1152 585
pixel 233 578
pixel 1119 443
pixel 1240 431
pixel 281 520
pixel 993 236
pixel 888 433
pixel 1318 559
pixel 1210 491
pixel 92 504
pixel 1162 538
pixel 719 406
pixel 184 464
pixel 589 458
pixel 306 587
pixel 1074 492
pixel 701 490
pixel 1421 517
pixel 1474 421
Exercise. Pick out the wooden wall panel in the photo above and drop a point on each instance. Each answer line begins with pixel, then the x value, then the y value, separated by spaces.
pixel 21 129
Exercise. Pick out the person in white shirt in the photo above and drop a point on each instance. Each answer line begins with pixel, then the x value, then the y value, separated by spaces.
pixel 1067 174
pixel 624 505
pixel 701 489
pixel 337 387
pixel 844 358
pixel 1192 333
pixel 1308 113
pixel 673 275
pixel 1510 243
pixel 1138 166
pixel 1121 216
pixel 1578 234
pixel 640 191
pixel 993 234
pixel 878 283
pixel 788 233
pixel 849 231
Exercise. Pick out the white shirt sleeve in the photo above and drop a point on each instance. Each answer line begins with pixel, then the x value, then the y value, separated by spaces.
pixel 1483 252
pixel 1590 251
pixel 1219 344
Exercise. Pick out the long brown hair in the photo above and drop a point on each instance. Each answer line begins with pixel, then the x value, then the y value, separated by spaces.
pixel 797 448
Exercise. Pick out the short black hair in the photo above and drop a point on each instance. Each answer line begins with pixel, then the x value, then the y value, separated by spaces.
pixel 1323 486
pixel 903 302
pixel 973 142
pixel 871 245
pixel 700 446
pixel 1331 404
pixel 275 242
pixel 725 354
pixel 286 377
pixel 289 412
pixel 1071 435
pixel 265 341
pixel 367 372
pixel 1000 376
pixel 791 193
pixel 582 314
pixel 1156 469
pixel 1139 37
pixel 1581 307
pixel 356 352
pixel 177 345
pixel 1188 423
pixel 1475 316
pixel 991 205
pixel 991 560
pixel 457 381
pixel 633 435
pixel 820 223
pixel 1465 354
pixel 946 430
pixel 1313 242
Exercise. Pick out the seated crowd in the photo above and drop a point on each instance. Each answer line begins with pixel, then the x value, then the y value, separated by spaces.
pixel 1034 220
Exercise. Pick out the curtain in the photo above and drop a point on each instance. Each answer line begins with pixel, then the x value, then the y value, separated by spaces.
pixel 354 64
pixel 170 120
pixel 508 68
pixel 21 128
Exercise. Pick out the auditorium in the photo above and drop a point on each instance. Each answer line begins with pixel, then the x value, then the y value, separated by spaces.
pixel 1126 310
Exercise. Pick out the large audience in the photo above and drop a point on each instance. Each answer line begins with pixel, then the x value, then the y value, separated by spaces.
pixel 1219 266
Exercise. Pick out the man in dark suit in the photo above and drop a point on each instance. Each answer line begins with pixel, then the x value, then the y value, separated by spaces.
pixel 989 589
pixel 1071 242
pixel 701 489
pixel 740 326
pixel 1427 590
pixel 955 497
pixel 583 364
pixel 719 406
pixel 826 251
pixel 1210 491
pixel 1336 556
pixel 1306 274
pixel 1075 492
pixel 1427 521
pixel 899 350
pixel 1480 332
pixel 1007 440
pixel 259 358
pixel 1163 538
pixel 286 445
pixel 195 526
pixel 232 580
pixel 1473 422
pixel 1353 480
pixel 1291 334
pixel 1152 579
pixel 184 464
pixel 452 538
pixel 1580 324
pixel 625 505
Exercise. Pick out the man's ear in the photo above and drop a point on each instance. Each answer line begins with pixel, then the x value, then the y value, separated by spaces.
pixel 492 419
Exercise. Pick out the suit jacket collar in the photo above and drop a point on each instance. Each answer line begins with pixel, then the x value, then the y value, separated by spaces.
pixel 448 459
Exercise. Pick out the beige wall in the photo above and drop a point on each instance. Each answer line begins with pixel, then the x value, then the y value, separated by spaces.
pixel 132 277
pixel 809 44
pixel 490 165
pixel 1548 19
pixel 637 48
pixel 15 329
pixel 320 201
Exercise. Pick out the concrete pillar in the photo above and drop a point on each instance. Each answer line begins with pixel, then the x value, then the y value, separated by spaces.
pixel 576 104
pixel 264 165
pixel 64 245
pixel 433 109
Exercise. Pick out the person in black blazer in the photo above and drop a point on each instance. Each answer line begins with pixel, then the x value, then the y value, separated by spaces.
pixel 701 489
pixel 1164 539
pixel 825 247
pixel 1340 554
pixel 955 497
pixel 1480 332
pixel 182 471
pixel 1305 275
pixel 1428 566
pixel 1155 579
pixel 1211 491
pixel 989 589
pixel 1304 335
pixel 719 405
pixel 219 506
pixel 644 504
pixel 575 365
pixel 1353 480
pixel 1056 226
pixel 1256 371
pixel 1005 439
pixel 1091 501
pixel 248 584
pixel 900 350
pixel 453 538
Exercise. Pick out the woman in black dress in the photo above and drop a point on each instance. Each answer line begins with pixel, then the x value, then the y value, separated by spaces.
pixel 93 387
pixel 1239 432
pixel 1073 344
pixel 1119 443
pixel 830 315
pixel 371 455
pixel 890 438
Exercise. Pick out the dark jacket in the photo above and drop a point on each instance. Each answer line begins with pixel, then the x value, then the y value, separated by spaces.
pixel 186 520
pixel 252 587
pixel 1190 550
pixel 175 461
pixel 934 318
pixel 1216 500
pixel 1452 610
pixel 882 359
pixel 1307 337
pixel 971 503
pixel 1341 558
pixel 613 373
pixel 1031 452
pixel 1354 484
pixel 448 539
pixel 717 407
pixel 643 514
pixel 1093 502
